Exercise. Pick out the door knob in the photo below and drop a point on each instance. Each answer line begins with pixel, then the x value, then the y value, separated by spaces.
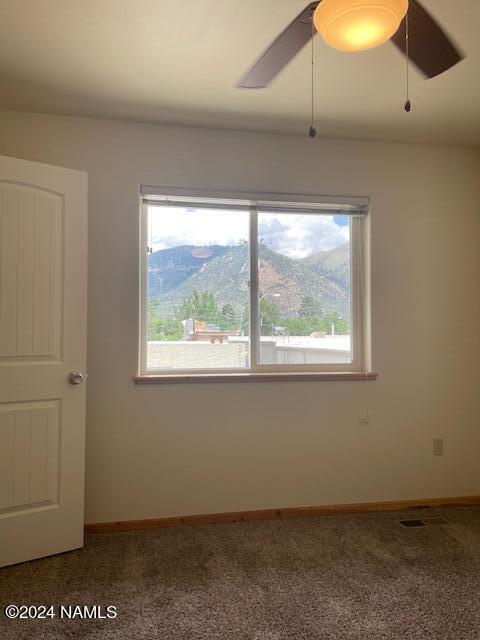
pixel 75 377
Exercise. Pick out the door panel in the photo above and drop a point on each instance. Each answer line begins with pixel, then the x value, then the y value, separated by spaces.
pixel 31 255
pixel 43 218
pixel 29 441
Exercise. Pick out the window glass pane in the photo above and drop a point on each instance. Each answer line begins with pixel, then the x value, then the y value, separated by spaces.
pixel 304 289
pixel 197 289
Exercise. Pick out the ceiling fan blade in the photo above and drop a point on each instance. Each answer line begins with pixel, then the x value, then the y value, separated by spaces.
pixel 281 51
pixel 430 48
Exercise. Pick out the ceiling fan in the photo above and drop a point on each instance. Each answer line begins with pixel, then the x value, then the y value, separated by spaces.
pixel 356 25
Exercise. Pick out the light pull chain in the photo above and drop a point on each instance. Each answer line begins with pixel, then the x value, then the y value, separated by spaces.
pixel 408 104
pixel 313 132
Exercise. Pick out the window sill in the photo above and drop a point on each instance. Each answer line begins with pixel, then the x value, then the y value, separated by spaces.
pixel 347 376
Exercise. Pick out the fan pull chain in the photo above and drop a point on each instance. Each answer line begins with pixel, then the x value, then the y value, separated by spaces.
pixel 408 104
pixel 313 132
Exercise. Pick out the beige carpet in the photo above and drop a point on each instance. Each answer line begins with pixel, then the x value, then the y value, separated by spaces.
pixel 347 577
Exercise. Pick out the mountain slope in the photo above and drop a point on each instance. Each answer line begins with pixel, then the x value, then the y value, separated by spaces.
pixel 225 275
pixel 335 264
pixel 167 269
pixel 293 280
pixel 224 271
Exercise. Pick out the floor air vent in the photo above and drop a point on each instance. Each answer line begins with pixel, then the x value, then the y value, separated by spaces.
pixel 412 523
pixel 426 522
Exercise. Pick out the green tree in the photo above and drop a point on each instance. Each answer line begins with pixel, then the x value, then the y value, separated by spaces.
pixel 340 325
pixel 165 329
pixel 228 316
pixel 245 322
pixel 306 326
pixel 310 307
pixel 298 326
pixel 269 316
pixel 152 312
pixel 201 306
pixel 189 306
pixel 159 328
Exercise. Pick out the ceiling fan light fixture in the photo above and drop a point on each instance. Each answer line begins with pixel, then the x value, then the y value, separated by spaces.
pixel 357 25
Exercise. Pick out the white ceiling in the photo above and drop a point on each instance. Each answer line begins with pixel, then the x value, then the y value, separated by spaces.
pixel 177 61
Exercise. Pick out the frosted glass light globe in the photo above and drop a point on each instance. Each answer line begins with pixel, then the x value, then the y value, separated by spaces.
pixel 356 25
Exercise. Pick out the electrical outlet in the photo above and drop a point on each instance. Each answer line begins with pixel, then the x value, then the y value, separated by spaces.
pixel 438 446
pixel 366 418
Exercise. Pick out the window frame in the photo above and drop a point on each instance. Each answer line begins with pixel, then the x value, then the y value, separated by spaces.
pixel 359 314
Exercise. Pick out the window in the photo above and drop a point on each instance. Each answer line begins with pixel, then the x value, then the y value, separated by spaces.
pixel 255 285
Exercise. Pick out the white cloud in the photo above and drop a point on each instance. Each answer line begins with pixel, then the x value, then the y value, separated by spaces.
pixel 171 227
pixel 292 235
pixel 299 236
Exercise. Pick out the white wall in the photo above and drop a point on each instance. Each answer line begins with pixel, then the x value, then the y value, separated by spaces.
pixel 177 450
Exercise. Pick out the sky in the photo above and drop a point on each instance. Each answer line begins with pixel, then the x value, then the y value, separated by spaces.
pixel 295 236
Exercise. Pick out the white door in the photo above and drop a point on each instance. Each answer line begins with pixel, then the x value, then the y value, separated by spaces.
pixel 43 223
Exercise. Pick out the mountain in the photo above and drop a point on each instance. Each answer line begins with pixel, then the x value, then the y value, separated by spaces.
pixel 335 264
pixel 226 276
pixel 167 269
pixel 224 271
pixel 293 280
